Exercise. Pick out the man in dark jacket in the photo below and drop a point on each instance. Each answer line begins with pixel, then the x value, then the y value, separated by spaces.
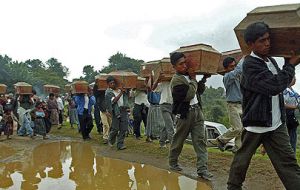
pixel 189 117
pixel 97 108
pixel 263 120
pixel 105 117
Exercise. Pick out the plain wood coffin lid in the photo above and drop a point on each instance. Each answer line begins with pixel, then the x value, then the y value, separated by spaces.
pixel 284 23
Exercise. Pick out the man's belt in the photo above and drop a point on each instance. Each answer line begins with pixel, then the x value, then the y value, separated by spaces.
pixel 234 102
pixel 194 106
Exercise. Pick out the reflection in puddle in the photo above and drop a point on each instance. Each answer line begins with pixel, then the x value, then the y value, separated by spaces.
pixel 73 165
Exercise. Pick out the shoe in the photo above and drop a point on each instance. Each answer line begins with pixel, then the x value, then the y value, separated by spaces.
pixel 206 175
pixel 105 141
pixel 45 137
pixel 59 127
pixel 138 138
pixel 148 139
pixel 122 148
pixel 218 143
pixel 109 144
pixel 221 145
pixel 163 146
pixel 175 167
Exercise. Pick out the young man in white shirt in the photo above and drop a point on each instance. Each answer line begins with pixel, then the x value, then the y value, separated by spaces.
pixel 263 118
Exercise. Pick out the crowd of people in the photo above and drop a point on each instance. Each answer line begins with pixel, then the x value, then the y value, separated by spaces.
pixel 30 115
pixel 258 94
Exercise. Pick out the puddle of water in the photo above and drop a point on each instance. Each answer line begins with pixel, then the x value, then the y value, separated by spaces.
pixel 5 151
pixel 73 165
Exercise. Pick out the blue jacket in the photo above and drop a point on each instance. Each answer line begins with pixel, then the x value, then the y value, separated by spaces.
pixel 79 101
pixel 231 82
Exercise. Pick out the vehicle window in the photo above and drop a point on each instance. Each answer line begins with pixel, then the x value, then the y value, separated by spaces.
pixel 210 134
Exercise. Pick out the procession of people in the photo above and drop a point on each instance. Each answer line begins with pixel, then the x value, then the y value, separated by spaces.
pixel 260 100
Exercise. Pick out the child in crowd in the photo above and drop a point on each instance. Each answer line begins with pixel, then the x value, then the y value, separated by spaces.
pixel 6 124
pixel 38 116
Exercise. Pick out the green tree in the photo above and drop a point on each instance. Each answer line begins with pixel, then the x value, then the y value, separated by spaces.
pixel 32 71
pixel 4 63
pixel 120 61
pixel 89 73
pixel 214 105
pixel 57 68
pixel 35 64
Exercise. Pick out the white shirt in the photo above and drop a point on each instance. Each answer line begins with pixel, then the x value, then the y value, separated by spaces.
pixel 195 99
pixel 86 101
pixel 165 92
pixel 276 114
pixel 140 97
pixel 120 101
pixel 60 103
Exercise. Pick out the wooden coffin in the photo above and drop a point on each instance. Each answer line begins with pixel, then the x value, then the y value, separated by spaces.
pixel 23 88
pixel 284 23
pixel 51 89
pixel 141 83
pixel 202 57
pixel 148 68
pixel 80 87
pixel 126 79
pixel 100 80
pixel 236 54
pixel 164 71
pixel 3 88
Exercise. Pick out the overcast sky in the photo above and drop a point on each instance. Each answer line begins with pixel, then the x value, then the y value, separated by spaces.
pixel 88 32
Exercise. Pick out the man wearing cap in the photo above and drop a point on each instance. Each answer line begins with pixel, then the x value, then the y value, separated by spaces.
pixel 187 108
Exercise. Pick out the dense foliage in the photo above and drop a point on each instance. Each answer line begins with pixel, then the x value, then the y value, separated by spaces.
pixel 34 72
pixel 120 61
pixel 214 105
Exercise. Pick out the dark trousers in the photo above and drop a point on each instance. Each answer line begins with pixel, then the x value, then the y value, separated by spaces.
pixel 60 116
pixel 140 113
pixel 293 137
pixel 86 124
pixel 118 129
pixel 98 118
pixel 279 150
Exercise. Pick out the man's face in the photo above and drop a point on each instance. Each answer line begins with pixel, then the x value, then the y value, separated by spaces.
pixel 231 66
pixel 180 66
pixel 262 45
pixel 112 84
